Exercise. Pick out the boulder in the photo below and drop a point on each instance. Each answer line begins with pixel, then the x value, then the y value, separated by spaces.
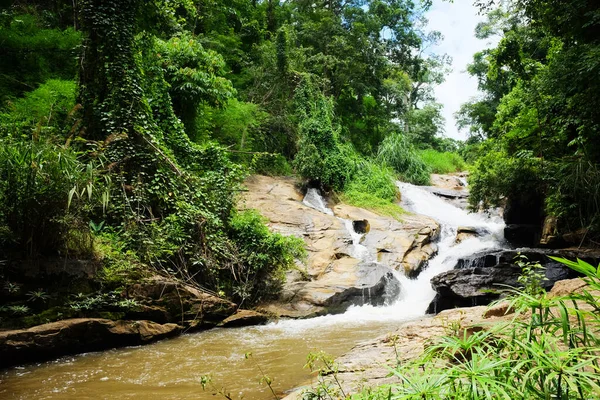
pixel 471 286
pixel 351 283
pixel 362 226
pixel 477 278
pixel 79 335
pixel 167 299
pixel 244 318
pixel 449 182
pixel 466 232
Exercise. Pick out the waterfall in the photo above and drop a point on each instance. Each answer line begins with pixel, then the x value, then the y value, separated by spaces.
pixel 314 200
pixel 415 294
pixel 174 367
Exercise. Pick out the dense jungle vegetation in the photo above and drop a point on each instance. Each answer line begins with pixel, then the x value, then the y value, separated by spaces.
pixel 127 128
pixel 535 132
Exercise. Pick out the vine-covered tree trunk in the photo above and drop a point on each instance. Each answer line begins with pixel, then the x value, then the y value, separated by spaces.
pixel 110 90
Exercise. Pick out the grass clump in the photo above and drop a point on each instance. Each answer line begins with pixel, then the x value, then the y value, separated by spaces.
pixel 397 152
pixel 442 162
pixel 373 187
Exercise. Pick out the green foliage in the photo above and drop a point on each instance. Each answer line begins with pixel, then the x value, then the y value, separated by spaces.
pixel 33 52
pixel 495 176
pixel 37 178
pixel 548 350
pixel 270 164
pixel 194 76
pixel 373 187
pixel 397 152
pixel 442 163
pixel 262 257
pixel 238 125
pixel 47 110
pixel 539 87
pixel 320 157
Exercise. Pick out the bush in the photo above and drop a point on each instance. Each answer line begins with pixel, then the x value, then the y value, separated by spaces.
pixel 373 187
pixel 43 111
pixel 270 164
pixel 397 152
pixel 262 257
pixel 496 176
pixel 442 162
pixel 43 189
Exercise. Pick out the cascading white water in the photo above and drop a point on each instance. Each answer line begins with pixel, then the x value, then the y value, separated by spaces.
pixel 415 294
pixel 314 200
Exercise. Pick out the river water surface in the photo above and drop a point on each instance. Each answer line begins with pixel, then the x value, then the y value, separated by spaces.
pixel 173 369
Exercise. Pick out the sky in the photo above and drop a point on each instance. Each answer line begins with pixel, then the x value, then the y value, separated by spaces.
pixel 456 21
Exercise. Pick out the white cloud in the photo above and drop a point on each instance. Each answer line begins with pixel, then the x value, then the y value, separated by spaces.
pixel 456 21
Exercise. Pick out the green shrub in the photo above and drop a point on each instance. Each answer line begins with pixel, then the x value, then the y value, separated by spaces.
pixel 33 53
pixel 43 190
pixel 496 176
pixel 373 187
pixel 397 152
pixel 43 111
pixel 270 164
pixel 262 257
pixel 442 162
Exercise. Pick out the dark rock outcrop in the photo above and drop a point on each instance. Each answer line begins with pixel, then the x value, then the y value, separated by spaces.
pixel 523 235
pixel 471 286
pixel 74 336
pixel 478 280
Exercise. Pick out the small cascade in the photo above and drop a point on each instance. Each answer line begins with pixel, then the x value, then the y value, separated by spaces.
pixel 314 200
pixel 463 181
pixel 415 294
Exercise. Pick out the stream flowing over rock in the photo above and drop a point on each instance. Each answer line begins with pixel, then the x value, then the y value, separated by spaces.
pixel 334 276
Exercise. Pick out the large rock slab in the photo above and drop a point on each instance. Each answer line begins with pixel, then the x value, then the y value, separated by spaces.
pixel 479 279
pixel 74 336
pixel 368 364
pixel 331 279
pixel 164 299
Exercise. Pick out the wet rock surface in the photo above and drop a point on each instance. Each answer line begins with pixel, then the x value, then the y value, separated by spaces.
pixel 77 336
pixel 333 278
pixel 479 280
pixel 368 364
pixel 244 318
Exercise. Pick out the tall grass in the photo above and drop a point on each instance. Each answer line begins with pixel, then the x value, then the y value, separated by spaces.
pixel 442 162
pixel 397 152
pixel 373 187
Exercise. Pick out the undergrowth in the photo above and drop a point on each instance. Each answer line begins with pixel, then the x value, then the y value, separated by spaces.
pixel 442 162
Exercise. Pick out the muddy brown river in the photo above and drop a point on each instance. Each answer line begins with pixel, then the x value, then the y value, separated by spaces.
pixel 173 369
